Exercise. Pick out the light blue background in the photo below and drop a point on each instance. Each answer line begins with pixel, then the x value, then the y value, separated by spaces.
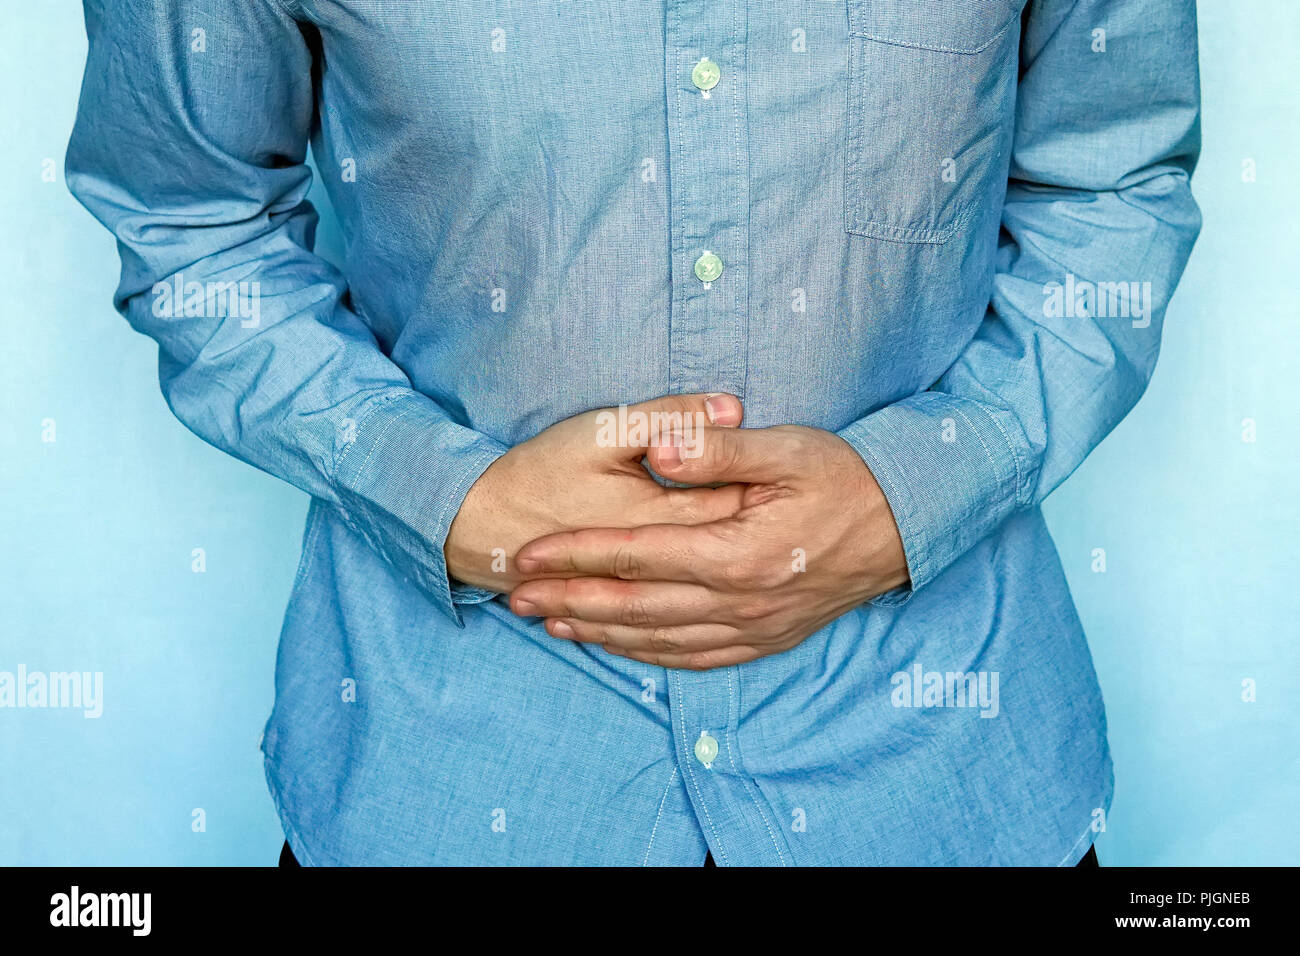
pixel 97 528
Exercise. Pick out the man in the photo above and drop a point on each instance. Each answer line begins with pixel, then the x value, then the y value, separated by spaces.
pixel 923 248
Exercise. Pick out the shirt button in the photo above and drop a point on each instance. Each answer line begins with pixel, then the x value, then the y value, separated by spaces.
pixel 708 267
pixel 706 74
pixel 706 749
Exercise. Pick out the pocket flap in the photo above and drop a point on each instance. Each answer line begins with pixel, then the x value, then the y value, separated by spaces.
pixel 948 26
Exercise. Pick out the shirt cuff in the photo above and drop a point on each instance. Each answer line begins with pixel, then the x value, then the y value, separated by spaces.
pixel 951 471
pixel 402 475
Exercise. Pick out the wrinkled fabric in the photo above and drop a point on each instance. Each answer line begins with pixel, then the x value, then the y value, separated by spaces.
pixel 911 200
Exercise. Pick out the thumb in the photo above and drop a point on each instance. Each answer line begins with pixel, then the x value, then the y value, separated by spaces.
pixel 717 408
pixel 750 455
pixel 638 428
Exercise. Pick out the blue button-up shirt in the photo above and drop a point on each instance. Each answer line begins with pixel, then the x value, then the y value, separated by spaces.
pixel 948 232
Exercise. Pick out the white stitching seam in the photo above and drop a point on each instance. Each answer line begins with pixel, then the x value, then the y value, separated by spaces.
pixel 1027 496
pixel 690 772
pixel 921 548
pixel 1015 459
pixel 912 45
pixel 745 782
pixel 341 458
pixel 662 800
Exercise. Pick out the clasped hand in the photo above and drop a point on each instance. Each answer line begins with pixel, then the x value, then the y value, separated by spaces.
pixel 794 533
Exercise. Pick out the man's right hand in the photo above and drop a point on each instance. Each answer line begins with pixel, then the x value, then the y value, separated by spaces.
pixel 583 472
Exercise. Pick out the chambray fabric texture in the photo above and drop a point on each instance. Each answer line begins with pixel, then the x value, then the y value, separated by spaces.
pixel 525 186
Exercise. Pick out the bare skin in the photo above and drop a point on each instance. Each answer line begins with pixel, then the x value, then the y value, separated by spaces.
pixel 812 538
pixel 563 480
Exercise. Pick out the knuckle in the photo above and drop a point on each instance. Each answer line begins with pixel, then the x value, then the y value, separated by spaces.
pixel 729 575
pixel 802 449
pixel 670 403
pixel 700 661
pixel 572 594
pixel 685 507
pixel 725 451
pixel 627 565
pixel 686 404
pixel 665 639
pixel 751 610
pixel 743 577
pixel 773 575
pixel 634 613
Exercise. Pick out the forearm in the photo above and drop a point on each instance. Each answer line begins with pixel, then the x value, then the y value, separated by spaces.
pixel 1099 199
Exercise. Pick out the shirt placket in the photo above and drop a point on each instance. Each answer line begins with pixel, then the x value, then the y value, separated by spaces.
pixel 706 51
pixel 708 194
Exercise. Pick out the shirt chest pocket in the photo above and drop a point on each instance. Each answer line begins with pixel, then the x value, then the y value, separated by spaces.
pixel 931 103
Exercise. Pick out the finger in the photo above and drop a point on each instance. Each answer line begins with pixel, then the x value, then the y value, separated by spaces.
pixel 667 638
pixel 626 432
pixel 693 660
pixel 637 604
pixel 755 455
pixel 689 506
pixel 718 408
pixel 663 552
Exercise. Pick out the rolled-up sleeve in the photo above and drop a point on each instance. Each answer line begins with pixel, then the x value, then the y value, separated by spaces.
pixel 190 146
pixel 1099 194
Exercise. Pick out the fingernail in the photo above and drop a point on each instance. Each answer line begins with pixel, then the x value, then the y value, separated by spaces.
pixel 560 629
pixel 671 454
pixel 719 410
pixel 527 565
pixel 525 608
